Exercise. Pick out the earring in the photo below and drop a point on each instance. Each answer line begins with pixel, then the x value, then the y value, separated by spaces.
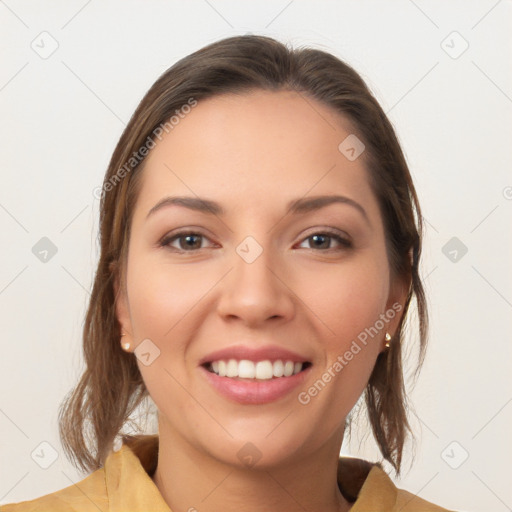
pixel 388 339
pixel 125 345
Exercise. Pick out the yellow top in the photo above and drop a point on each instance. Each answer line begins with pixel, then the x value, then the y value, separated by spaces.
pixel 124 484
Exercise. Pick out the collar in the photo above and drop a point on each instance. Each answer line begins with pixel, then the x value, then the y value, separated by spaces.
pixel 364 484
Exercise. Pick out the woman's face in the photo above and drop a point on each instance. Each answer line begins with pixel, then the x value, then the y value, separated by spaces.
pixel 256 282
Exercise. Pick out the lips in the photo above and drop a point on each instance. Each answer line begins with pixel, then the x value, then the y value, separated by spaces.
pixel 254 375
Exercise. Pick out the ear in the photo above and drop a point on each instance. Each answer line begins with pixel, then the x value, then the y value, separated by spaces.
pixel 398 292
pixel 121 301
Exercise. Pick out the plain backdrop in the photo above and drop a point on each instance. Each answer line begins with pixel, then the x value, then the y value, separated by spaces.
pixel 71 75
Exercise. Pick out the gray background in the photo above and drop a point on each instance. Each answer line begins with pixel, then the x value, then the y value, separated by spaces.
pixel 72 73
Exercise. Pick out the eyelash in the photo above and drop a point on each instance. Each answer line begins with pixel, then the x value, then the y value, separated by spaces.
pixel 344 242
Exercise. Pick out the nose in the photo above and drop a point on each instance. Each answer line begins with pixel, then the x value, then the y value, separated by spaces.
pixel 256 292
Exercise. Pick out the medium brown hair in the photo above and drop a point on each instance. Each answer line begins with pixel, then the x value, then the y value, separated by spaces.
pixel 111 387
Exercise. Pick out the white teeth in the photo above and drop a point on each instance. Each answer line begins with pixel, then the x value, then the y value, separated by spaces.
pixel 278 368
pixel 246 369
pixel 262 370
pixel 288 368
pixel 232 368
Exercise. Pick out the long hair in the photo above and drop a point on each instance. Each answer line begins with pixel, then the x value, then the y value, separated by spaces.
pixel 111 387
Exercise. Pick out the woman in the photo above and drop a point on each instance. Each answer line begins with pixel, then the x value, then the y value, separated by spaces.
pixel 260 243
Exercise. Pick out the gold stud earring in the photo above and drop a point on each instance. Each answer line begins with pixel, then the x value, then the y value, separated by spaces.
pixel 388 339
pixel 125 345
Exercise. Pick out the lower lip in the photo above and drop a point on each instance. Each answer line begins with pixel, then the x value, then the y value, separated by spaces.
pixel 255 392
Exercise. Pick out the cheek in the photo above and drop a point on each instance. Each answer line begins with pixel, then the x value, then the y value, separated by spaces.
pixel 165 303
pixel 349 304
pixel 161 296
pixel 349 300
pixel 162 300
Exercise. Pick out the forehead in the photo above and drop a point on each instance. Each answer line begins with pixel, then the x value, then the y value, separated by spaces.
pixel 255 148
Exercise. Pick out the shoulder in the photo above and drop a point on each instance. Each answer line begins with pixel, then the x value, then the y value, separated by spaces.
pixel 379 486
pixel 87 495
pixel 123 483
pixel 368 487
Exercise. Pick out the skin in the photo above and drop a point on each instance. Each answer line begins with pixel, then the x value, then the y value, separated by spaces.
pixel 253 153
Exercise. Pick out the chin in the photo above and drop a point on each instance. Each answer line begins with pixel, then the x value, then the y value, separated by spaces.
pixel 256 448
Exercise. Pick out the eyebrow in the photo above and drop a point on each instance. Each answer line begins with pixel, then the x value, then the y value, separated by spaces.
pixel 296 206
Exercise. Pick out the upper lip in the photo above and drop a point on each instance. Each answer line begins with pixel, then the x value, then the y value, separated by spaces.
pixel 239 352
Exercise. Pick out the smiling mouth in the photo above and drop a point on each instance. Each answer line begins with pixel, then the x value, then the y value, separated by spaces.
pixel 256 370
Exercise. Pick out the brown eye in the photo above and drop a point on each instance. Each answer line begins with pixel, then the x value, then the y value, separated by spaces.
pixel 322 240
pixel 188 241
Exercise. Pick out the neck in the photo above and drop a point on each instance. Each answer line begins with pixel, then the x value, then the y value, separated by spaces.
pixel 191 480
